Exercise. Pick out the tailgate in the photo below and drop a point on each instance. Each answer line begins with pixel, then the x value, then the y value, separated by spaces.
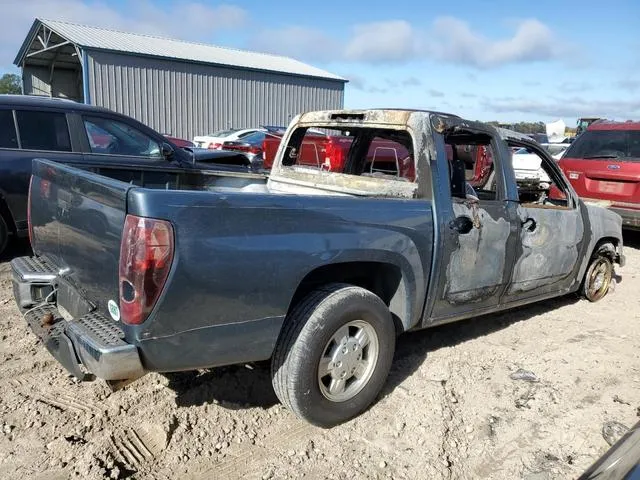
pixel 77 219
pixel 614 180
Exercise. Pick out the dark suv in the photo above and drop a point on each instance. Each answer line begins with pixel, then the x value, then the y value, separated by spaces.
pixel 87 137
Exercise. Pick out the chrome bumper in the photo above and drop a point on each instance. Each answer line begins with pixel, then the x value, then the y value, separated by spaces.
pixel 87 346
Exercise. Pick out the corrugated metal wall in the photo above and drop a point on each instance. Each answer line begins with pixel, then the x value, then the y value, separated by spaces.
pixel 65 83
pixel 187 99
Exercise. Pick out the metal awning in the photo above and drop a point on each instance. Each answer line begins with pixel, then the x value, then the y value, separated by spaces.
pixel 48 49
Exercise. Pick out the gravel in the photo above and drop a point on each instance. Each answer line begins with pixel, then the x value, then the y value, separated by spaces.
pixel 450 409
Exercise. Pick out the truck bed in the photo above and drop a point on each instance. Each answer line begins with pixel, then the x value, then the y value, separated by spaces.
pixel 210 305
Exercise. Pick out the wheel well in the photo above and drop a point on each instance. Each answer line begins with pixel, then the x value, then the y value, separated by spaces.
pixel 607 251
pixel 383 279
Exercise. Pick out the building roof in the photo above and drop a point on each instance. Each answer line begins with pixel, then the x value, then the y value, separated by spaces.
pixel 95 38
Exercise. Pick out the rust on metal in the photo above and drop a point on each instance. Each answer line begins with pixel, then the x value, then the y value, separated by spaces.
pixel 47 320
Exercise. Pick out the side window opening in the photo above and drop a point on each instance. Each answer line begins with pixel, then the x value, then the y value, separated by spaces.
pixel 539 184
pixel 470 163
pixel 367 152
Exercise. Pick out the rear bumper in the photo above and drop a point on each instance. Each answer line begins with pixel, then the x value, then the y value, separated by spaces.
pixel 630 212
pixel 89 346
pixel 630 217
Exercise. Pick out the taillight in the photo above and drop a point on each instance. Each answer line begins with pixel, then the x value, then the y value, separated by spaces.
pixel 255 150
pixel 214 146
pixel 146 254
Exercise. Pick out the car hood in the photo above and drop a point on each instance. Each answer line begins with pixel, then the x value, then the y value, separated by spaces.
pixel 204 155
pixel 526 161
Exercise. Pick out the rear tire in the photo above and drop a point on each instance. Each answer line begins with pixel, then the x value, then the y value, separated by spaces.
pixel 334 354
pixel 597 278
pixel 4 235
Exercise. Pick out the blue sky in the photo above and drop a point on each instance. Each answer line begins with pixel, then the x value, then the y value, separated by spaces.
pixel 486 60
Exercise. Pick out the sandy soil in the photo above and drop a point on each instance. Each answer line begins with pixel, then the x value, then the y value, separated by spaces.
pixel 450 410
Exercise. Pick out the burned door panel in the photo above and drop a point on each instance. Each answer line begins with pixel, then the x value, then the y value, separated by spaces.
pixel 550 240
pixel 476 268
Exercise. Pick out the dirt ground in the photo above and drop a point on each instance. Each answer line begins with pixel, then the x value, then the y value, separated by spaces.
pixel 450 409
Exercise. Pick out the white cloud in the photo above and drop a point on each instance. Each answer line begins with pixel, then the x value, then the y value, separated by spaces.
pixel 299 42
pixel 381 42
pixel 447 39
pixel 452 40
pixel 184 20
pixel 564 107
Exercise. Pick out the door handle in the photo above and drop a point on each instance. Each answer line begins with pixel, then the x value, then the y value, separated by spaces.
pixel 529 225
pixel 461 224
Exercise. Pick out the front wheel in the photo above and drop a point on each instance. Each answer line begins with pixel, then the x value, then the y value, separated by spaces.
pixel 334 354
pixel 598 278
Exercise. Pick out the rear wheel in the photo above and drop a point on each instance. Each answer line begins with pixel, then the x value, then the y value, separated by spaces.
pixel 598 278
pixel 334 354
pixel 4 234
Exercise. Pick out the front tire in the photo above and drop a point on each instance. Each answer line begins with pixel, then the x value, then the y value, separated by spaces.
pixel 598 278
pixel 334 354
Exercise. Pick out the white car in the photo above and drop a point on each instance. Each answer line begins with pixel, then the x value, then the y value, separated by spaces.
pixel 215 140
pixel 556 150
pixel 528 169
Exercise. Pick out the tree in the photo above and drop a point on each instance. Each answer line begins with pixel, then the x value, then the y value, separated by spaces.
pixel 10 83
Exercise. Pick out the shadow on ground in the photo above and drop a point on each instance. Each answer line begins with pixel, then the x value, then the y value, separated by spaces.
pixel 240 387
pixel 234 387
pixel 631 238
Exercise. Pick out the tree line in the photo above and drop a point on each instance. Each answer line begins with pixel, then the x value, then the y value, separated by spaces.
pixel 10 83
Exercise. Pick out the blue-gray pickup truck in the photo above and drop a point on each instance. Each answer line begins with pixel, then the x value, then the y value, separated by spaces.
pixel 318 268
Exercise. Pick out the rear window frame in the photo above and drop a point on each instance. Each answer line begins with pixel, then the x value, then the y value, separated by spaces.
pixel 346 183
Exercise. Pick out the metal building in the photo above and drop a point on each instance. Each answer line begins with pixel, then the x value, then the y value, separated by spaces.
pixel 176 87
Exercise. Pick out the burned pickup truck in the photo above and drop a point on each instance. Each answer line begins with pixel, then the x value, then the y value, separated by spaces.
pixel 318 271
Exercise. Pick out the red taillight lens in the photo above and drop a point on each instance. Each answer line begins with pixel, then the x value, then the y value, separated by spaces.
pixel 146 254
pixel 214 146
pixel 255 150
